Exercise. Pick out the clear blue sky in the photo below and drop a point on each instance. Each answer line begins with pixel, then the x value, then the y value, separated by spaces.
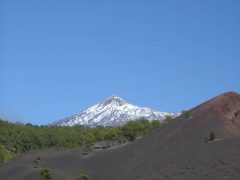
pixel 58 58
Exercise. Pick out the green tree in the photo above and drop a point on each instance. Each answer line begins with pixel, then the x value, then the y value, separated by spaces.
pixel 100 133
pixel 5 154
pixel 2 154
pixel 155 124
pixel 129 131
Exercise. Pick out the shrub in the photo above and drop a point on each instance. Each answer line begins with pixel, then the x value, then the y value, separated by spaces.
pixel 167 119
pixel 38 160
pixel 211 136
pixel 87 148
pixel 45 174
pixel 186 114
pixel 82 176
pixel 2 154
pixel 5 154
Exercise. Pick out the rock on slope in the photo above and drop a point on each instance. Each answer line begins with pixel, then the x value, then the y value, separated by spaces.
pixel 114 111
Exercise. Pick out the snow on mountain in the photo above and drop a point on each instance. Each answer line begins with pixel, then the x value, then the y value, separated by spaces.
pixel 114 111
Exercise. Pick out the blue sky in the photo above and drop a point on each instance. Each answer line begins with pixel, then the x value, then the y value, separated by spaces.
pixel 58 58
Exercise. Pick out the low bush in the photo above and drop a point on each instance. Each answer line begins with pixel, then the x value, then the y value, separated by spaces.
pixel 45 174
pixel 82 176
pixel 38 160
pixel 186 114
pixel 211 136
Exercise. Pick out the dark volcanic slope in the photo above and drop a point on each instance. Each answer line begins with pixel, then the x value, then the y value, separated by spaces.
pixel 177 151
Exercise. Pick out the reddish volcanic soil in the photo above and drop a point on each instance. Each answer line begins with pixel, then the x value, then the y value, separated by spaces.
pixel 177 151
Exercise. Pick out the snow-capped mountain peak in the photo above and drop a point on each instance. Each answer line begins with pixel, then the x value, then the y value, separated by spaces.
pixel 113 111
pixel 114 100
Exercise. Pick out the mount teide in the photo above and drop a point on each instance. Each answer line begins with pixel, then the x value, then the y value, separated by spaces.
pixel 114 111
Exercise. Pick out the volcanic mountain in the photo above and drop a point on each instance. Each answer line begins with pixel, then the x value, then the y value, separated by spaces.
pixel 114 111
pixel 182 149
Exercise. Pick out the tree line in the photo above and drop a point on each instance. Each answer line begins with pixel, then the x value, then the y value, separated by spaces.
pixel 17 138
